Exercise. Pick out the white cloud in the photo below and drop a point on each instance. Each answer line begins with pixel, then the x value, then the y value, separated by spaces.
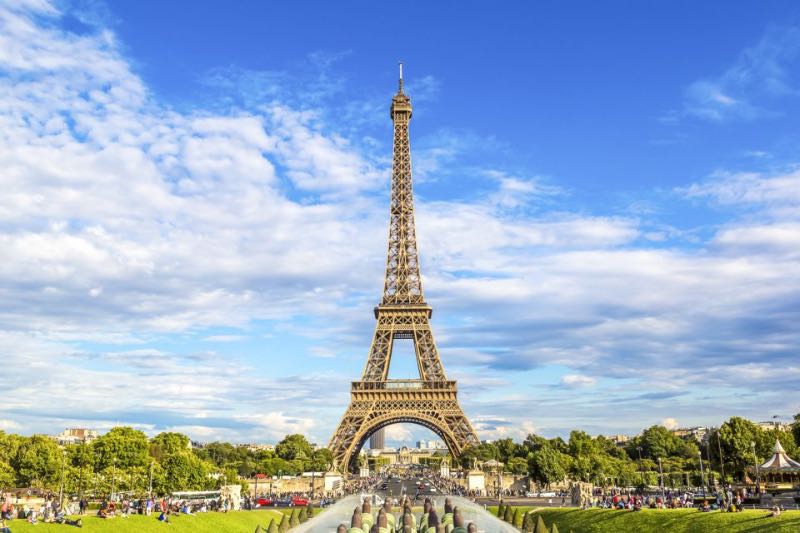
pixel 577 380
pixel 398 433
pixel 670 423
pixel 123 222
pixel 744 91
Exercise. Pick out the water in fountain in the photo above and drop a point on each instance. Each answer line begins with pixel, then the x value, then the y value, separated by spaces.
pixel 342 512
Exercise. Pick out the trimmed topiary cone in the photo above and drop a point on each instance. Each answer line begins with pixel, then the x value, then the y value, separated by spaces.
pixel 508 515
pixel 302 515
pixel 283 527
pixel 554 528
pixel 540 526
pixel 500 511
pixel 273 526
pixel 517 520
pixel 527 522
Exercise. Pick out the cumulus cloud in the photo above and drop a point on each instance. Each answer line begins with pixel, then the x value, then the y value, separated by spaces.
pixel 670 423
pixel 140 242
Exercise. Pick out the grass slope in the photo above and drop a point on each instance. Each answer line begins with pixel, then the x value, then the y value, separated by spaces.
pixel 233 522
pixel 666 520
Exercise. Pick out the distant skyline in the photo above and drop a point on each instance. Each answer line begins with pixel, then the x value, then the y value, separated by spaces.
pixel 195 203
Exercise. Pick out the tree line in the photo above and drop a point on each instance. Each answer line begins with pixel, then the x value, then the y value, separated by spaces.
pixel 126 460
pixel 601 461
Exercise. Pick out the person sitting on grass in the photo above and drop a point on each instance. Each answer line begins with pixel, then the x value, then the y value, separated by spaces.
pixel 164 516
pixel 776 511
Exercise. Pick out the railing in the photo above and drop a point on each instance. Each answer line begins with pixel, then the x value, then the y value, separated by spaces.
pixel 403 384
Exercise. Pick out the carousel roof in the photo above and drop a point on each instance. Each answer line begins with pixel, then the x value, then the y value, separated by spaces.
pixel 779 459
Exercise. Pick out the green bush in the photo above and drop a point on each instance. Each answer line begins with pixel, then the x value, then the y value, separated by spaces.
pixel 527 523
pixel 540 527
pixel 517 520
pixel 508 515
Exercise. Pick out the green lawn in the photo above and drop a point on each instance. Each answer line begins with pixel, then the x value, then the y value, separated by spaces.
pixel 234 522
pixel 666 520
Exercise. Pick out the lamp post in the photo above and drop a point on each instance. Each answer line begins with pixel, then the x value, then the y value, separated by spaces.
pixel 661 476
pixel 641 471
pixel 721 460
pixel 702 473
pixel 150 486
pixel 61 490
pixel 755 462
pixel 113 477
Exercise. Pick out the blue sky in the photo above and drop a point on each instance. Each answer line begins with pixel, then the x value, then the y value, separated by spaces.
pixel 194 219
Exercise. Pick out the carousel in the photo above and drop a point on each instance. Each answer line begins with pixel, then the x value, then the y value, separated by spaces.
pixel 780 471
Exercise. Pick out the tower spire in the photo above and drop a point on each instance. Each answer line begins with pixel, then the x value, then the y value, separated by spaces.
pixel 400 84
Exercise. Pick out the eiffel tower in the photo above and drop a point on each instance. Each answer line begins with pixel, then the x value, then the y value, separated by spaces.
pixel 377 401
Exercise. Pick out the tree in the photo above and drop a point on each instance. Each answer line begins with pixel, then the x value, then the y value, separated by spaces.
pixel 507 449
pixel 500 511
pixel 185 471
pixel 122 447
pixel 483 452
pixel 545 466
pixel 540 525
pixel 294 447
pixel 508 514
pixel 517 465
pixel 322 460
pixel 168 443
pixel 533 442
pixel 8 478
pixel 581 443
pixel 736 436
pixel 273 526
pixel 38 462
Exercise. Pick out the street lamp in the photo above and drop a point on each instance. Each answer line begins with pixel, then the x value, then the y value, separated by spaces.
pixel 721 460
pixel 755 462
pixel 150 487
pixel 661 476
pixel 61 490
pixel 113 477
pixel 641 471
pixel 702 473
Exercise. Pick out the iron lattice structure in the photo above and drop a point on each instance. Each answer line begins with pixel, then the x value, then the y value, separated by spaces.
pixel 377 401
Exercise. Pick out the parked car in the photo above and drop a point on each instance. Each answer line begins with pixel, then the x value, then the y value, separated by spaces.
pixel 299 501
pixel 263 501
pixel 282 502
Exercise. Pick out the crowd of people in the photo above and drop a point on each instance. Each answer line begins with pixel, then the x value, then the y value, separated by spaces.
pixel 726 499
pixel 48 511
pixel 385 521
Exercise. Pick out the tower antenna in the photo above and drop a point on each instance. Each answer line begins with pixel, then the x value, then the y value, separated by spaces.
pixel 401 77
